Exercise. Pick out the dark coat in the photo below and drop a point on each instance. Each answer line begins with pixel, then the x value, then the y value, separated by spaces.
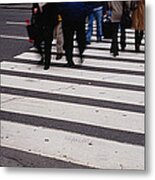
pixel 50 14
pixel 36 17
pixel 74 12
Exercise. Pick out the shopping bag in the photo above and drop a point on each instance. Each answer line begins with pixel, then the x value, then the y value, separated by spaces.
pixel 107 27
pixel 34 30
pixel 126 20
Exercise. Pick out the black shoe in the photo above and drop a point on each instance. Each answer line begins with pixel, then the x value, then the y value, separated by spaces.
pixel 46 67
pixel 111 50
pixel 81 58
pixel 115 54
pixel 88 42
pixel 59 56
pixel 99 40
pixel 122 48
pixel 69 65
pixel 137 48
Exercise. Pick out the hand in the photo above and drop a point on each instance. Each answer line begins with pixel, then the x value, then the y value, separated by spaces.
pixel 35 10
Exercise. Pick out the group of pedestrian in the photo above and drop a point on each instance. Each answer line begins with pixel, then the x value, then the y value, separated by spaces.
pixel 65 20
pixel 136 11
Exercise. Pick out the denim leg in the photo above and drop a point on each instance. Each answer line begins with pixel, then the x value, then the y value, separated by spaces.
pixel 99 21
pixel 90 27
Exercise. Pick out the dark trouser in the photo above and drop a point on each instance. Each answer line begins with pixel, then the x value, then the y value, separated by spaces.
pixel 48 38
pixel 123 38
pixel 81 38
pixel 114 44
pixel 38 40
pixel 138 38
pixel 68 30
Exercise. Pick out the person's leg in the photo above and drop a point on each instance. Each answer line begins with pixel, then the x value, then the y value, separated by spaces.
pixel 99 21
pixel 90 28
pixel 48 37
pixel 137 40
pixel 112 44
pixel 123 38
pixel 141 36
pixel 114 39
pixel 68 32
pixel 38 41
pixel 60 41
pixel 81 38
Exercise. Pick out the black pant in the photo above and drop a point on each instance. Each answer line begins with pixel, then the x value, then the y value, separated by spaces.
pixel 37 21
pixel 114 44
pixel 123 37
pixel 38 40
pixel 50 14
pixel 48 38
pixel 138 38
pixel 69 30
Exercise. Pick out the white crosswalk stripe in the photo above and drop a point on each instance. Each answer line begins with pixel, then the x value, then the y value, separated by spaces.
pixel 74 90
pixel 91 115
pixel 78 73
pixel 129 121
pixel 90 62
pixel 80 149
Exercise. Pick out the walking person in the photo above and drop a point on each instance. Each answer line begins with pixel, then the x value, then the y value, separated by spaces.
pixel 97 14
pixel 45 19
pixel 73 22
pixel 138 18
pixel 50 20
pixel 126 9
pixel 37 22
pixel 117 9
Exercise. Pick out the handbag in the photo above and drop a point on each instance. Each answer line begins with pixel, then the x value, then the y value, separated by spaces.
pixel 134 5
pixel 107 27
pixel 126 20
pixel 33 29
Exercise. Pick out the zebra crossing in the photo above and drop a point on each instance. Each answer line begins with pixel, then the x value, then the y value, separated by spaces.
pixel 90 116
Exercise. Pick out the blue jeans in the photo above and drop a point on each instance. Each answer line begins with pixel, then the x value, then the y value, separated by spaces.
pixel 98 15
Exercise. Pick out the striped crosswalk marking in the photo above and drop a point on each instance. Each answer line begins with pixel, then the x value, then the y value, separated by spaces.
pixel 90 62
pixel 74 90
pixel 77 148
pixel 90 116
pixel 103 117
pixel 71 72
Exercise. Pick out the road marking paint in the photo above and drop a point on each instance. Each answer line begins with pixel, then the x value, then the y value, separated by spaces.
pixel 89 62
pixel 15 23
pixel 75 73
pixel 14 37
pixel 101 93
pixel 72 147
pixel 103 117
